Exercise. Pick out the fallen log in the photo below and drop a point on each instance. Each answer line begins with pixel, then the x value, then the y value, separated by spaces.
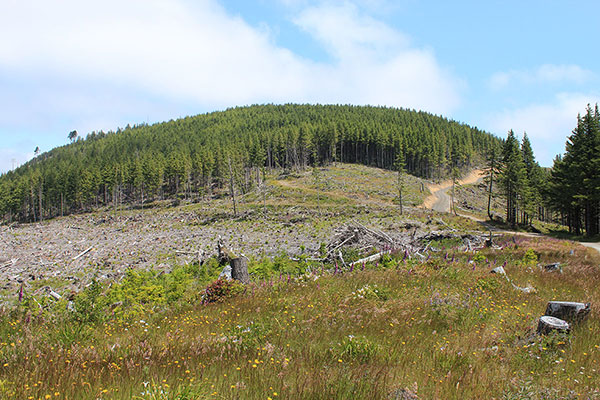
pixel 553 267
pixel 372 258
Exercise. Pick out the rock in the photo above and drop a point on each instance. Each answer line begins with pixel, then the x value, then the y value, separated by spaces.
pixel 554 267
pixel 226 273
pixel 568 310
pixel 548 324
pixel 498 270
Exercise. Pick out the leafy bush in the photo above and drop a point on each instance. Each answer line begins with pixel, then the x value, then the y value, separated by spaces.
pixel 137 292
pixel 280 264
pixel 478 258
pixel 530 258
pixel 220 290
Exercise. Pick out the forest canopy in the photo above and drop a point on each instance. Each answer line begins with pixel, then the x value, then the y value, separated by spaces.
pixel 194 155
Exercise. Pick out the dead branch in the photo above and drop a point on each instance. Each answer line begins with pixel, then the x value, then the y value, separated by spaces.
pixel 83 253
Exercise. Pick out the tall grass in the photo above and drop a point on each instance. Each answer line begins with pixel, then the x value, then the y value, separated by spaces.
pixel 439 329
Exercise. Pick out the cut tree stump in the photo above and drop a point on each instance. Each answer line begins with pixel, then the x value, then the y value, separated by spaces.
pixel 548 324
pixel 239 269
pixel 568 310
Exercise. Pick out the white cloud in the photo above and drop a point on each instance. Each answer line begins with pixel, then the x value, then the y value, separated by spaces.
pixel 199 52
pixel 81 62
pixel 375 64
pixel 546 73
pixel 547 125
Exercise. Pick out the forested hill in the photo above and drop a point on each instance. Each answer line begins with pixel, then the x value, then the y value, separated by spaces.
pixel 195 154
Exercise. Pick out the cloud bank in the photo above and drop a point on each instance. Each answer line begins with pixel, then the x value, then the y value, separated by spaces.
pixel 72 64
pixel 547 73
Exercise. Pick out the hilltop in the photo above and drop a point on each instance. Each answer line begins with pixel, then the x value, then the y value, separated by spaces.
pixel 196 157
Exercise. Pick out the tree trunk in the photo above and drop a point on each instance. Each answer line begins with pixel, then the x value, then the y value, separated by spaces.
pixel 232 187
pixel 40 200
pixel 239 269
pixel 489 207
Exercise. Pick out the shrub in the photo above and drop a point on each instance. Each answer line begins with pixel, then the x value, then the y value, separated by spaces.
pixel 136 293
pixel 478 258
pixel 88 305
pixel 530 258
pixel 220 290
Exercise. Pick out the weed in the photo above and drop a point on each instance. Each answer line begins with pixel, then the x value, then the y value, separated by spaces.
pixel 358 348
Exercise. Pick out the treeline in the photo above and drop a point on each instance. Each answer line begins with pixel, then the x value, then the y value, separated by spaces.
pixel 574 187
pixel 193 156
pixel 522 180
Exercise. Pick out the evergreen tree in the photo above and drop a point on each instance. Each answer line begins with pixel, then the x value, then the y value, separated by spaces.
pixel 513 178
pixel 575 178
pixel 491 170
pixel 399 167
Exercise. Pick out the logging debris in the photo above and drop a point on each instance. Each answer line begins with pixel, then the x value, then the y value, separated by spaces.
pixel 414 242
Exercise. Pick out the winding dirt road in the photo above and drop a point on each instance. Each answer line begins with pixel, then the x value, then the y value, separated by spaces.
pixel 439 200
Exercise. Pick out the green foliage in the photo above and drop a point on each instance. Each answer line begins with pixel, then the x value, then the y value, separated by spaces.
pixel 88 305
pixel 575 178
pixel 190 156
pixel 323 249
pixel 278 265
pixel 138 292
pixel 487 285
pixel 513 178
pixel 358 348
pixel 529 258
pixel 478 258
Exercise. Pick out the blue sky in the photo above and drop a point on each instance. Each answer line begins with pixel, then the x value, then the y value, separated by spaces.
pixel 498 65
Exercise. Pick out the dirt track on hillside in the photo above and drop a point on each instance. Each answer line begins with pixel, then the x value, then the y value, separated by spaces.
pixel 439 200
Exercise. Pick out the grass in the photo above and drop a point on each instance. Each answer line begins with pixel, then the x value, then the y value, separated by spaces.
pixel 437 328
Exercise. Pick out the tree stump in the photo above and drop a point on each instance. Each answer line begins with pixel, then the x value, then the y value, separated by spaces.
pixel 239 269
pixel 568 310
pixel 548 324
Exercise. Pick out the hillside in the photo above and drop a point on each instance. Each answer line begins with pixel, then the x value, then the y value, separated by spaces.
pixel 119 304
pixel 193 157
pixel 293 214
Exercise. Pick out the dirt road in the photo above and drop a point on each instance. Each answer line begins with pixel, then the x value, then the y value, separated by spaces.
pixel 440 199
pixel 592 245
